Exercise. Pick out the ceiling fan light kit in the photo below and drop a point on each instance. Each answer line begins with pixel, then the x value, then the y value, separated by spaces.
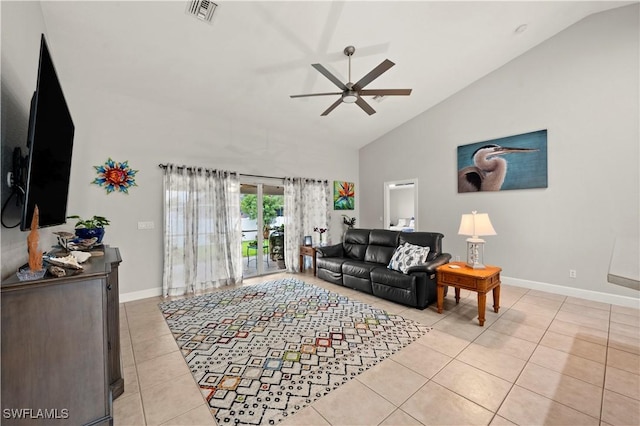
pixel 352 93
pixel 350 97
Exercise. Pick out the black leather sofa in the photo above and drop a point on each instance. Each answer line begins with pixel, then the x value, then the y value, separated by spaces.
pixel 360 262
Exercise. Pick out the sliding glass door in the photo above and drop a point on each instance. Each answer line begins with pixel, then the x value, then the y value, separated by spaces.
pixel 261 209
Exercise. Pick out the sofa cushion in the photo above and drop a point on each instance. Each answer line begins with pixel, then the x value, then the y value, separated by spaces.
pixel 357 283
pixel 382 244
pixel 383 237
pixel 392 278
pixel 408 255
pixel 333 264
pixel 379 254
pixel 358 268
pixel 355 243
pixel 332 277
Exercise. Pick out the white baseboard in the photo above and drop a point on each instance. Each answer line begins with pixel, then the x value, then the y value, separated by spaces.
pixel 142 294
pixel 596 296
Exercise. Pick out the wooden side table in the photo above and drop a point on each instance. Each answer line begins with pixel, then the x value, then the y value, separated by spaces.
pixel 307 251
pixel 479 280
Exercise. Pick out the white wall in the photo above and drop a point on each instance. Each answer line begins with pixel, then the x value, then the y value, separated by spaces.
pixel 22 24
pixel 146 134
pixel 581 85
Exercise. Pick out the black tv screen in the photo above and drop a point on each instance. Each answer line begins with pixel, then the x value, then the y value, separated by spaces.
pixel 50 143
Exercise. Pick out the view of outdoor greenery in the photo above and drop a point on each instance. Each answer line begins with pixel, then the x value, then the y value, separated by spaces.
pixel 272 204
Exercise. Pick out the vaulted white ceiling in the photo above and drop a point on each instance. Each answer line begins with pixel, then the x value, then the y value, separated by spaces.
pixel 246 63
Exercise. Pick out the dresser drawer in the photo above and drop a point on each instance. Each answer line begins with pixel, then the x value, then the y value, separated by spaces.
pixel 458 280
pixel 493 280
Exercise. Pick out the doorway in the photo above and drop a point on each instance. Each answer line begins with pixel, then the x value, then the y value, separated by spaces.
pixel 261 212
pixel 401 205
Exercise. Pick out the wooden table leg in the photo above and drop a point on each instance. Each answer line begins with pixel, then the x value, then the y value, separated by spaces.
pixel 315 269
pixel 496 298
pixel 482 301
pixel 457 295
pixel 440 302
pixel 301 262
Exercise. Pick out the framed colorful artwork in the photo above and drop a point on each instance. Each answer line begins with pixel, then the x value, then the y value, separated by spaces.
pixel 343 195
pixel 115 177
pixel 514 162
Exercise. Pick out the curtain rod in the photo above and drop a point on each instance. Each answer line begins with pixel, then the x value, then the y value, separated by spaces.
pixel 164 166
pixel 192 168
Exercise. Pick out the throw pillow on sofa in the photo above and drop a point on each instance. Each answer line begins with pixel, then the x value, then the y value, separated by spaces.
pixel 408 255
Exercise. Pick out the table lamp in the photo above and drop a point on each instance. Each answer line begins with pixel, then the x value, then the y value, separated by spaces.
pixel 475 225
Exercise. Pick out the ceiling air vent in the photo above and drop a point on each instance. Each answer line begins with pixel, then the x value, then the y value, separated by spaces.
pixel 202 9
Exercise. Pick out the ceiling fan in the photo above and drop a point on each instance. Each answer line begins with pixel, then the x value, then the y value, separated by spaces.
pixel 353 92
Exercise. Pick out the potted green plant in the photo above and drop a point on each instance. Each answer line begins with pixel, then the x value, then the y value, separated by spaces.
pixel 349 221
pixel 89 228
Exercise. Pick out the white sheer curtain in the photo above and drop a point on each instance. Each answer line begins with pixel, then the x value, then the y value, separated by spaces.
pixel 307 205
pixel 202 236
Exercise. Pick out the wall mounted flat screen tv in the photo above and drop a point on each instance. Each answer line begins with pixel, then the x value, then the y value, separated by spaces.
pixel 50 144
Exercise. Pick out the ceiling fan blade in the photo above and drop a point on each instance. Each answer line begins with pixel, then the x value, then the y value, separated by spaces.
pixel 365 106
pixel 332 107
pixel 373 74
pixel 315 94
pixel 330 76
pixel 385 92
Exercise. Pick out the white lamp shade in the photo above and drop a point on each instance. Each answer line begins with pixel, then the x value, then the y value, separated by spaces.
pixel 475 225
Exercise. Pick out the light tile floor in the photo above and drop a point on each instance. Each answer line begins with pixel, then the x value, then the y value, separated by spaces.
pixel 250 269
pixel 543 359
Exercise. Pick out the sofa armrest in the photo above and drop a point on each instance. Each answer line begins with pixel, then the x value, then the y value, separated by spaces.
pixel 430 267
pixel 330 251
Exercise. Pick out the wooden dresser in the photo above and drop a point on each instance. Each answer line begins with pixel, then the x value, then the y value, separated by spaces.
pixel 61 346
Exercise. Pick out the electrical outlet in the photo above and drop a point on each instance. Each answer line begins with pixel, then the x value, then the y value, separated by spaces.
pixel 573 273
pixel 146 225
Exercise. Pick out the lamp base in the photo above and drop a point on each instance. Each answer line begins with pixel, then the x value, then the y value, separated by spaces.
pixel 476 266
pixel 475 253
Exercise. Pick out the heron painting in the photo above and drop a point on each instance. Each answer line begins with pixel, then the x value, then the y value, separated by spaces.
pixel 514 162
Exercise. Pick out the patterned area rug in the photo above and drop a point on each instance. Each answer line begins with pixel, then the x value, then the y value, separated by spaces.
pixel 260 353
